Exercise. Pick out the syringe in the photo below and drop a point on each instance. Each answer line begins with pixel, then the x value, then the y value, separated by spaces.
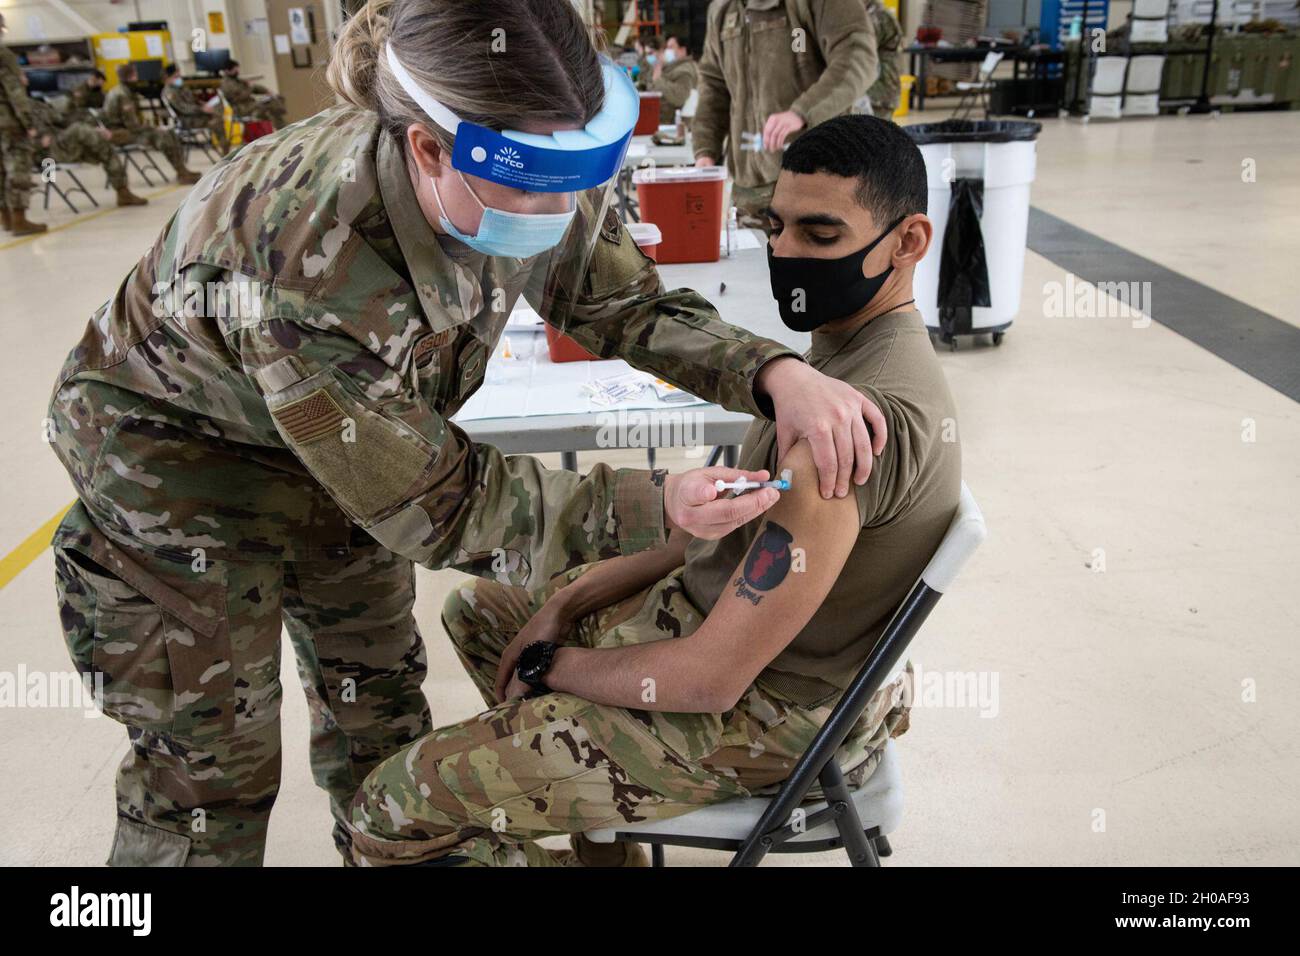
pixel 742 485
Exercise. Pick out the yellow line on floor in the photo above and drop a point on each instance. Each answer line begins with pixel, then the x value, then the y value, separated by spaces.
pixel 12 564
pixel 80 219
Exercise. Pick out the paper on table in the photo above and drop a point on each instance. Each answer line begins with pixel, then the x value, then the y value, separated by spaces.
pixel 525 317
pixel 531 384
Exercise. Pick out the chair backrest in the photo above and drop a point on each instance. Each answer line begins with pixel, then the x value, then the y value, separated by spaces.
pixel 965 533
pixel 990 64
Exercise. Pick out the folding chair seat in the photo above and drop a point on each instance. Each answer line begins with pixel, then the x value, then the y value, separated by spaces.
pixel 131 154
pixel 857 820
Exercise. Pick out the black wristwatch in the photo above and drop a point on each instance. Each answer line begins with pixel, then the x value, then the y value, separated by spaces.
pixel 534 661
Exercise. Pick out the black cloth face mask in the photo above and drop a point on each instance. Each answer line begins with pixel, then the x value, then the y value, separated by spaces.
pixel 823 290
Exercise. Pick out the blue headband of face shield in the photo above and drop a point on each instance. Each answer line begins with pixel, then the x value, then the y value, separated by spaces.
pixel 565 161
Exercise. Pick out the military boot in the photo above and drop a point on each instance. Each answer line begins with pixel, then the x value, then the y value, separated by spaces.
pixel 127 198
pixel 20 225
pixel 4 217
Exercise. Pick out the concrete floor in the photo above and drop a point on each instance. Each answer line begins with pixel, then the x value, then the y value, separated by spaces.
pixel 1120 736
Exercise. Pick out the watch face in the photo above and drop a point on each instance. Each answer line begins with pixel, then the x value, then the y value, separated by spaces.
pixel 535 661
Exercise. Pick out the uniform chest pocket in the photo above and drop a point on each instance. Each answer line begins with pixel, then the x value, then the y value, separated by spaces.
pixel 434 358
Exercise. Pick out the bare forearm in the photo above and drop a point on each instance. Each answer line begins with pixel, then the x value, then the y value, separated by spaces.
pixel 668 675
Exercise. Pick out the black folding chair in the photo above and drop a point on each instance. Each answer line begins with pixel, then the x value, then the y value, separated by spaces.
pixel 857 820
pixel 63 169
pixel 191 137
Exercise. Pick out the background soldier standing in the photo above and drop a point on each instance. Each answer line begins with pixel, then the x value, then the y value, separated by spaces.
pixel 18 144
pixel 191 113
pixel 883 95
pixel 674 75
pixel 771 68
pixel 122 117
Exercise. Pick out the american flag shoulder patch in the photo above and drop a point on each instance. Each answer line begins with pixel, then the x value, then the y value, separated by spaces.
pixel 311 418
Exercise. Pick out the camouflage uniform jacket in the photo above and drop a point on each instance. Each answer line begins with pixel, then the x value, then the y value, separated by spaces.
pixel 184 103
pixel 884 93
pixel 15 107
pixel 814 57
pixel 84 99
pixel 241 96
pixel 275 430
pixel 121 110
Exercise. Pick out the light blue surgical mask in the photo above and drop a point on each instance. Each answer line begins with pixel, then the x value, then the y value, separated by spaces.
pixel 515 235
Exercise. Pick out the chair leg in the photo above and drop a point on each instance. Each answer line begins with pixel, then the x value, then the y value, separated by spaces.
pixel 79 187
pixel 856 844
pixel 882 846
pixel 657 854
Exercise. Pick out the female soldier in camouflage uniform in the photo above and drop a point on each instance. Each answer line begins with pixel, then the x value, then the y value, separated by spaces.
pixel 257 422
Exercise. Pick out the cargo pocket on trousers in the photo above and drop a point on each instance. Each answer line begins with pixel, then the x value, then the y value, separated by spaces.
pixel 138 844
pixel 153 662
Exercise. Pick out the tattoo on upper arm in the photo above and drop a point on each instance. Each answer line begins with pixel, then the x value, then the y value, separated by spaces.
pixel 767 564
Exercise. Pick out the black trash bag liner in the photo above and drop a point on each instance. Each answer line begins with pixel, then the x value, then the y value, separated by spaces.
pixel 974 131
pixel 963 266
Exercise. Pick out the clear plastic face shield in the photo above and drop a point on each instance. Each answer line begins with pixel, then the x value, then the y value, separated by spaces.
pixel 584 163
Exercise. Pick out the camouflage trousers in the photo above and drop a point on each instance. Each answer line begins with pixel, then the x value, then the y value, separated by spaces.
pixel 164 141
pixel 81 143
pixel 17 157
pixel 480 791
pixel 190 663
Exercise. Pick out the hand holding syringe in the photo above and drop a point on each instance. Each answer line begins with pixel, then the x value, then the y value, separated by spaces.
pixel 742 485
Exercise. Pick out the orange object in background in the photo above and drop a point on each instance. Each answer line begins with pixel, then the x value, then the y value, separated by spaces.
pixel 686 204
pixel 563 348
pixel 647 236
pixel 647 121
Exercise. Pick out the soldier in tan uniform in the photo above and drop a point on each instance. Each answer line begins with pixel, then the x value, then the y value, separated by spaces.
pixel 257 421
pixel 121 116
pixel 674 75
pixel 190 112
pixel 771 68
pixel 18 145
pixel 251 99
pixel 643 686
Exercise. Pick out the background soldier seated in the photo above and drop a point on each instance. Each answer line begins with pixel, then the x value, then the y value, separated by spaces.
pixel 76 142
pixel 190 112
pixel 251 100
pixel 121 115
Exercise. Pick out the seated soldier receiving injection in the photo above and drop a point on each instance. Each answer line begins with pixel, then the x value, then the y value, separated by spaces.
pixel 645 685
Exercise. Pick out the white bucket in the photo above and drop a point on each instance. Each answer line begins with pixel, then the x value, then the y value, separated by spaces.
pixel 1007 170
